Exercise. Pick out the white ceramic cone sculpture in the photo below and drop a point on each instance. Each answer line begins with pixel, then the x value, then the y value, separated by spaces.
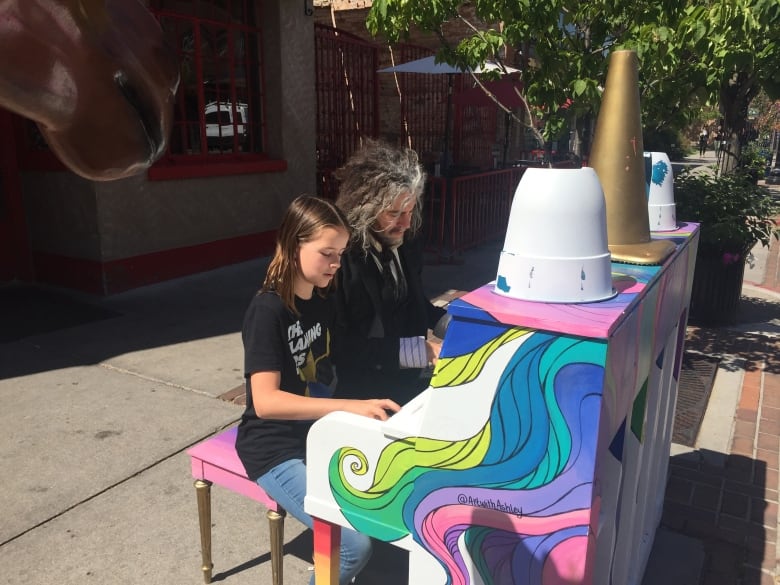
pixel 659 186
pixel 556 242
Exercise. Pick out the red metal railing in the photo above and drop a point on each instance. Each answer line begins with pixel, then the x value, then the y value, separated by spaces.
pixel 480 207
pixel 463 212
pixel 433 214
pixel 347 99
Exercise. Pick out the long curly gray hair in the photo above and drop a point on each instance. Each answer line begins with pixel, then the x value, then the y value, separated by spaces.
pixel 371 180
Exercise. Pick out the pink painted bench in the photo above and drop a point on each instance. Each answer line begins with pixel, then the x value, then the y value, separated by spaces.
pixel 215 461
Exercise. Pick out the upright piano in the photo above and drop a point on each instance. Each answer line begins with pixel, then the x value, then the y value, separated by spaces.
pixel 538 455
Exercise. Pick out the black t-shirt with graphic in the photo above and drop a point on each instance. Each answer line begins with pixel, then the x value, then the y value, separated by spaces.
pixel 275 340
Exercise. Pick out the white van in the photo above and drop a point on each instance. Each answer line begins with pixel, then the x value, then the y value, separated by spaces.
pixel 221 125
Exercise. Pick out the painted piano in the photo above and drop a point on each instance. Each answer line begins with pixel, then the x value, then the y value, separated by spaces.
pixel 538 455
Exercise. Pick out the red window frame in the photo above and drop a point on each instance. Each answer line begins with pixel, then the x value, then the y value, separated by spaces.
pixel 219 46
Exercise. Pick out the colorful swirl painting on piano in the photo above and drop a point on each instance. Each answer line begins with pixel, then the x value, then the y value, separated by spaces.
pixel 511 503
pixel 539 454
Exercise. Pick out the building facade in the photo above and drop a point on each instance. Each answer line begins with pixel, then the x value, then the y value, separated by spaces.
pixel 242 147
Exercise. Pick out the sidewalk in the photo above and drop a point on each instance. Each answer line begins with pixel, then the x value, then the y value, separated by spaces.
pixel 95 420
pixel 97 413
pixel 724 493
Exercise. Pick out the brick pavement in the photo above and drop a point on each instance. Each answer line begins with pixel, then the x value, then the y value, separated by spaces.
pixel 730 501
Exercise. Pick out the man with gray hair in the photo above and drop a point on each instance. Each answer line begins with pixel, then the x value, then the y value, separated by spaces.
pixel 383 315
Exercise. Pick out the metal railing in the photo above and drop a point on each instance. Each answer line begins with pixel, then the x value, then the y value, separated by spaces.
pixel 347 99
pixel 433 214
pixel 463 212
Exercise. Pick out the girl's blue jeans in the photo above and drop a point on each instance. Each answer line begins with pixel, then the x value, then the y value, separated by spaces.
pixel 286 484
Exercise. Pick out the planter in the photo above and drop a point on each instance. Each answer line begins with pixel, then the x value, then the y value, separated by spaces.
pixel 717 287
pixel 734 214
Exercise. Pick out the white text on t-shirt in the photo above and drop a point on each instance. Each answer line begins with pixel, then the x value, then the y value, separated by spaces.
pixel 300 341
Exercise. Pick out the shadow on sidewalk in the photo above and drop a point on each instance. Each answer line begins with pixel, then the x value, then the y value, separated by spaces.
pixel 27 310
pixel 389 565
pixel 301 546
pixel 739 349
pixel 721 500
pixel 756 310
pixel 47 328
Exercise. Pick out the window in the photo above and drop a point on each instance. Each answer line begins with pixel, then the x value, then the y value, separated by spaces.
pixel 218 113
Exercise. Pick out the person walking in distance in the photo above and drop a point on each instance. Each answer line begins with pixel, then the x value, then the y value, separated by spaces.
pixel 703 138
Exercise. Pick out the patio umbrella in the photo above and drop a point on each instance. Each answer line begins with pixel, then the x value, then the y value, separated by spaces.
pixel 428 65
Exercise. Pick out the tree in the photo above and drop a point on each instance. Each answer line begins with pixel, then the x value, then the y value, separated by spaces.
pixel 738 44
pixel 721 51
pixel 767 115
pixel 561 46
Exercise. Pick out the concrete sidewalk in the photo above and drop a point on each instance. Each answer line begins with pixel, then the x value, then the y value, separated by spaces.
pixel 96 418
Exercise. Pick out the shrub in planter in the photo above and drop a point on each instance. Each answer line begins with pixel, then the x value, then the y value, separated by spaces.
pixel 753 162
pixel 734 214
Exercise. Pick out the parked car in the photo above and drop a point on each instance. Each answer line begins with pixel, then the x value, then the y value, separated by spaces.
pixel 773 178
pixel 223 122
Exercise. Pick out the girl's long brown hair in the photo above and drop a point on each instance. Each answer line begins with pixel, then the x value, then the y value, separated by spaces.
pixel 302 222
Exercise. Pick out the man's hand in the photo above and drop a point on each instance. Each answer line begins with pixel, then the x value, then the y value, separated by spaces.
pixel 432 348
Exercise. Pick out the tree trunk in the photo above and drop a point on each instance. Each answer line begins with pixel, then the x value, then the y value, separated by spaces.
pixel 735 97
pixel 728 155
pixel 582 133
pixel 776 142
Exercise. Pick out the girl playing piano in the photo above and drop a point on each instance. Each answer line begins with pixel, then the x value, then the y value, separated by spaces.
pixel 289 376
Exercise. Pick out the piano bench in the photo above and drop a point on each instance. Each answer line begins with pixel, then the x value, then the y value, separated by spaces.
pixel 215 461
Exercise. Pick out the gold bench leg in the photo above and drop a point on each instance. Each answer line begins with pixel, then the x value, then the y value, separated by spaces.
pixel 276 526
pixel 203 491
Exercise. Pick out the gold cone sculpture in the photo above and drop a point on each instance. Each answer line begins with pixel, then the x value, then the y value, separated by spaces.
pixel 617 156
